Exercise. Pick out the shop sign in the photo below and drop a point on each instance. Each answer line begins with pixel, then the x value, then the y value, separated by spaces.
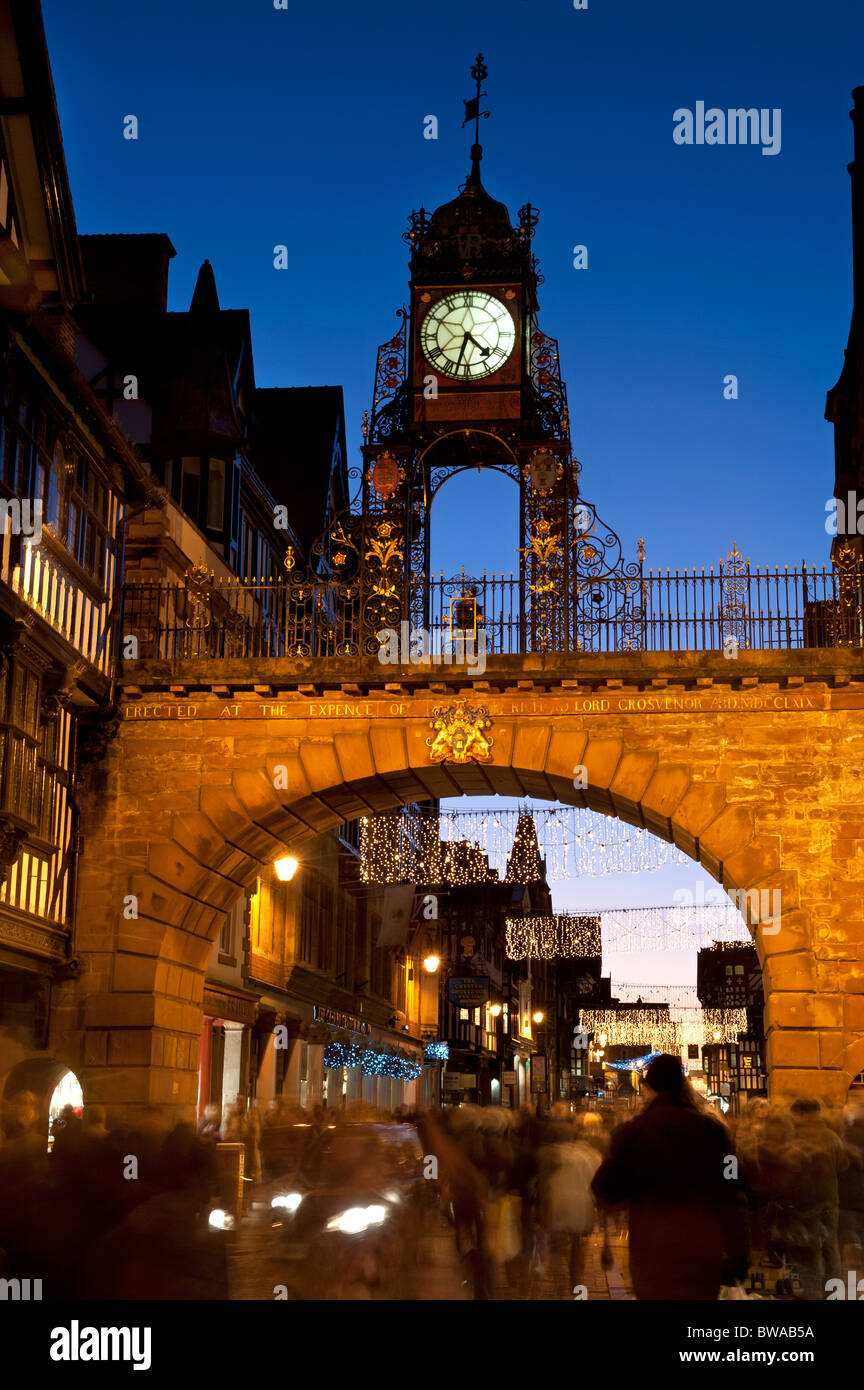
pixel 538 1073
pixel 232 1007
pixel 508 1078
pixel 469 991
pixel 351 1022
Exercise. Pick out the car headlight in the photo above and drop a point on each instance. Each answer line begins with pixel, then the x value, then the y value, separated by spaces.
pixel 357 1219
pixel 289 1200
pixel 220 1220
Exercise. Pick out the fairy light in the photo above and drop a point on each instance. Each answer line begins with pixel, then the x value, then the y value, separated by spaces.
pixel 544 938
pixel 651 929
pixel 372 1063
pixel 633 1063
pixel 632 1027
pixel 460 847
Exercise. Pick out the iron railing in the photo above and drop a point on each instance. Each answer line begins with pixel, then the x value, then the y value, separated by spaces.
pixel 675 611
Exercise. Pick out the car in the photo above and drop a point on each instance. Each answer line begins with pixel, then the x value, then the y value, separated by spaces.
pixel 350 1212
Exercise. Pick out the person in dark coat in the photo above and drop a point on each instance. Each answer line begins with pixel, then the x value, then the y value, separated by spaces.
pixel 671 1165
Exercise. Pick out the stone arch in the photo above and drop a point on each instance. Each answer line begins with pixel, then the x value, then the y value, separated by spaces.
pixel 39 1076
pixel 853 1060
pixel 231 820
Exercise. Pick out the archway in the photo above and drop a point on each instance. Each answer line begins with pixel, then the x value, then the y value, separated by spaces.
pixel 36 1091
pixel 229 784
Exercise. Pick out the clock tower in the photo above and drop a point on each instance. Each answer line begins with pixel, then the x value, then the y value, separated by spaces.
pixel 471 381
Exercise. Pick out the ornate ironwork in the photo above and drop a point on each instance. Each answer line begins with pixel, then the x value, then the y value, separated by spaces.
pixel 848 621
pixel 608 610
pixel 548 389
pixel 198 581
pixel 390 370
pixel 734 613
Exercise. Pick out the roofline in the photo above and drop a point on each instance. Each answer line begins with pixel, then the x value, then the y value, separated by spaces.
pixel 41 110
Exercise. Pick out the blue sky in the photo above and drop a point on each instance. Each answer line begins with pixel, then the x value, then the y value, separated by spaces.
pixel 260 126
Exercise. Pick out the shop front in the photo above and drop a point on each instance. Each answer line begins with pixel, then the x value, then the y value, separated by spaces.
pixel 365 1065
pixel 230 1016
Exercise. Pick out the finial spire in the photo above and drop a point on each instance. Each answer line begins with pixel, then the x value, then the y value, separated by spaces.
pixel 479 72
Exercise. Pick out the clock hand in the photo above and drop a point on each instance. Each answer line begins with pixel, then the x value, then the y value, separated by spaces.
pixel 481 348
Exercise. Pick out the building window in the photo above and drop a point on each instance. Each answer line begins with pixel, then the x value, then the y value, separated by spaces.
pixel 216 495
pixel 190 487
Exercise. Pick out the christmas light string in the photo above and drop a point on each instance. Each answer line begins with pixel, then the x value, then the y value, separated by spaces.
pixel 660 1030
pixel 674 928
pixel 459 847
pixel 544 938
pixel 629 929
pixel 372 1063
pixel 633 1063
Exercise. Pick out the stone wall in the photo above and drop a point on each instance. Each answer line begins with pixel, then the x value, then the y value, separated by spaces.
pixel 753 770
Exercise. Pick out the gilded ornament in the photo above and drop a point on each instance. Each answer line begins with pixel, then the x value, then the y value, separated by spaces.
pixel 459 735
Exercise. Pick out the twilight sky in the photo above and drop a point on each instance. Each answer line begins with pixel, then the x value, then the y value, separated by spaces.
pixel 304 126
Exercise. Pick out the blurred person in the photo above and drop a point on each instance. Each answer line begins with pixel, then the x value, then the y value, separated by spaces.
pixel 67 1130
pixel 162 1246
pixel 210 1124
pixel 852 1184
pixel 566 1204
pixel 26 1232
pixel 769 1165
pixel 466 1190
pixel 820 1160
pixel 669 1165
pixel 94 1122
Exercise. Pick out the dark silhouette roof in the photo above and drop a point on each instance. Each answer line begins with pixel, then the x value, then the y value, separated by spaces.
pixel 205 300
pixel 473 207
pixel 295 431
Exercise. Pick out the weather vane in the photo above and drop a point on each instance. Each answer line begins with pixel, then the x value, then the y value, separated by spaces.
pixel 472 108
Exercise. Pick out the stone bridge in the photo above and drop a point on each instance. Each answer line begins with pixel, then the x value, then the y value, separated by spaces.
pixel 752 766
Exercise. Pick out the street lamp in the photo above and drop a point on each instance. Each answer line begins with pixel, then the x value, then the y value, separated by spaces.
pixel 431 964
pixel 495 1010
pixel 286 867
pixel 539 1016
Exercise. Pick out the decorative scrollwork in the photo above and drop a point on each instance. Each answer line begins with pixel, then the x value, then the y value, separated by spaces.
pixel 735 610
pixel 848 621
pixel 389 378
pixel 199 594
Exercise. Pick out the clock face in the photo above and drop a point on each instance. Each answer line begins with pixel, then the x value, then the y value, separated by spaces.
pixel 468 335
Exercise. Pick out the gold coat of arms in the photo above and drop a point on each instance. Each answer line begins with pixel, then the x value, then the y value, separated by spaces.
pixel 458 734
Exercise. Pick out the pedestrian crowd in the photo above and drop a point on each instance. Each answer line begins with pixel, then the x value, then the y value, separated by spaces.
pixel 772 1200
pixel 776 1193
